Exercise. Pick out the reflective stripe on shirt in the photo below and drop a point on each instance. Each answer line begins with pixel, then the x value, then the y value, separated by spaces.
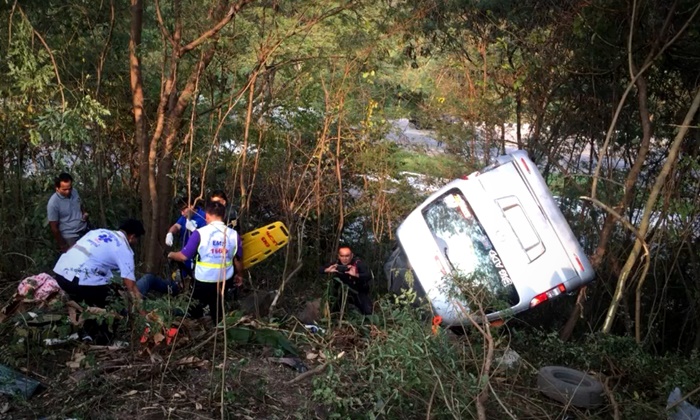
pixel 217 247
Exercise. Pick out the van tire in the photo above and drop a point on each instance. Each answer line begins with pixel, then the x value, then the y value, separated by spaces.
pixel 458 330
pixel 570 386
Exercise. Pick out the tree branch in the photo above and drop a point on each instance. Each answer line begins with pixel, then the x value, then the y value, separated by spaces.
pixel 233 11
pixel 161 26
pixel 660 180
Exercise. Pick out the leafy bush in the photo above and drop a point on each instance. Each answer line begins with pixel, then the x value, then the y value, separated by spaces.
pixel 636 376
pixel 403 370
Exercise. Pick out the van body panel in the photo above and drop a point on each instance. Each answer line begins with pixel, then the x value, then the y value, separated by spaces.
pixel 501 224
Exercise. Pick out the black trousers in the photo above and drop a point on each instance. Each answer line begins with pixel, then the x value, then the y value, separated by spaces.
pixel 208 295
pixel 359 297
pixel 91 295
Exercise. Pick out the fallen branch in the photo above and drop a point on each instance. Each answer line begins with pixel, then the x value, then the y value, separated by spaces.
pixel 315 371
pixel 611 397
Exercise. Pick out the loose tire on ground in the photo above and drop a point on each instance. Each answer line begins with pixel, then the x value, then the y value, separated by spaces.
pixel 570 386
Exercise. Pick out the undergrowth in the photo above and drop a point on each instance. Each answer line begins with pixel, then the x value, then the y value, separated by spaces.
pixel 405 369
pixel 389 365
pixel 638 379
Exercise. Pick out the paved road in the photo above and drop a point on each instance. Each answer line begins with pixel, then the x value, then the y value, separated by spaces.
pixel 406 134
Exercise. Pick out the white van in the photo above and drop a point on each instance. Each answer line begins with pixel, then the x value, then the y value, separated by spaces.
pixel 497 231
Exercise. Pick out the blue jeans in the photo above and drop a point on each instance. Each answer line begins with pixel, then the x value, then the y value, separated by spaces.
pixel 152 282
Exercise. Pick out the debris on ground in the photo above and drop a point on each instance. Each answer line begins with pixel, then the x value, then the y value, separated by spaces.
pixel 33 293
pixel 14 383
pixel 314 329
pixel 679 409
pixel 510 359
pixel 293 362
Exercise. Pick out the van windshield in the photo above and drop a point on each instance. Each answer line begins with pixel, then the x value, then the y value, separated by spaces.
pixel 466 247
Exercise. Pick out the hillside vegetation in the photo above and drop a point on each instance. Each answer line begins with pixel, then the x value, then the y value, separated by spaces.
pixel 291 107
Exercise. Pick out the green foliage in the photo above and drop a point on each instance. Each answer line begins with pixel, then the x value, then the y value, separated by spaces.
pixel 403 370
pixel 275 339
pixel 438 166
pixel 29 71
pixel 481 289
pixel 639 377
pixel 74 124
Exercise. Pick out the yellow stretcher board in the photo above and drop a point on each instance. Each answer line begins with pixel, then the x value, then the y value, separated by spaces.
pixel 263 242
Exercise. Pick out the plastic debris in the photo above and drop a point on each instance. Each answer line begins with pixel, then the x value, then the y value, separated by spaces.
pixel 314 329
pixel 293 362
pixel 15 384
pixel 510 359
pixel 57 341
pixel 680 409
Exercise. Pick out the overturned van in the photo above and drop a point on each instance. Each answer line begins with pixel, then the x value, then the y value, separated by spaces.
pixel 495 242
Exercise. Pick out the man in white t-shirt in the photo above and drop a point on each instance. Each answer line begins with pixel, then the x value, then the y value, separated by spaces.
pixel 85 271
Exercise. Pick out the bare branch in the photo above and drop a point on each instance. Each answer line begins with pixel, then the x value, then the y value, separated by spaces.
pixel 163 29
pixel 649 61
pixel 105 49
pixel 660 180
pixel 233 11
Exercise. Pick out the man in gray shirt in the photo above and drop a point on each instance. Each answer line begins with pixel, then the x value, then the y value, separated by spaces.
pixel 67 217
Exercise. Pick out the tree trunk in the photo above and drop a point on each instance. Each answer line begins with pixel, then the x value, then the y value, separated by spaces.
pixel 137 104
pixel 156 150
pixel 660 180
pixel 630 181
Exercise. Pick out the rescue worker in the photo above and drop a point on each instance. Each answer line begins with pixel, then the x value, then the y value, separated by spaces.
pixel 216 245
pixel 85 270
pixel 231 220
pixel 191 218
pixel 231 217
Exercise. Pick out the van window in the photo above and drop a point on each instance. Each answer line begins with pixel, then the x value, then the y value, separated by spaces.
pixel 466 247
pixel 523 229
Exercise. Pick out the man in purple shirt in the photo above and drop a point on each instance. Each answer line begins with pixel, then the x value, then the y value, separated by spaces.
pixel 231 220
pixel 216 245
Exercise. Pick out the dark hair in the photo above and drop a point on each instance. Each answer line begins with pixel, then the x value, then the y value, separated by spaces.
pixel 132 227
pixel 220 194
pixel 62 177
pixel 215 208
pixel 182 202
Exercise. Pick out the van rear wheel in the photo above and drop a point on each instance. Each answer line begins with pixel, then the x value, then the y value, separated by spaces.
pixel 458 330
